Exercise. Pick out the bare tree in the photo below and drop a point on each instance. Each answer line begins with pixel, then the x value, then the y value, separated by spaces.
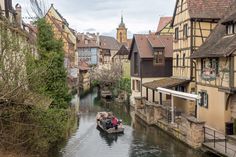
pixel 107 75
pixel 38 7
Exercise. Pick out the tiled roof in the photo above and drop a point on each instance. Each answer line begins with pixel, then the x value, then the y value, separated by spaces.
pixel 83 66
pixel 144 47
pixel 163 22
pixel 231 18
pixel 123 51
pixel 110 43
pixel 91 41
pixel 165 83
pixel 146 42
pixel 58 13
pixel 206 9
pixel 60 29
pixel 162 41
pixel 218 43
pixel 127 44
pixel 129 41
pixel 212 9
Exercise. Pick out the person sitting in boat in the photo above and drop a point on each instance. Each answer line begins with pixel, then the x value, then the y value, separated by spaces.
pixel 114 122
pixel 102 116
pixel 110 115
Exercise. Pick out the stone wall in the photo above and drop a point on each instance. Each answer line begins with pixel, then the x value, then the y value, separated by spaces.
pixel 188 129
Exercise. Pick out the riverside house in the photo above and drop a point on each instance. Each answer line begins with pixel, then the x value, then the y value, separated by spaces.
pixel 151 59
pixel 121 58
pixel 88 47
pixel 215 74
pixel 193 21
pixel 63 32
pixel 179 114
pixel 109 46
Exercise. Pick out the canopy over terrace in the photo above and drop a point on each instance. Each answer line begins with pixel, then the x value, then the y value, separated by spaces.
pixel 173 93
pixel 164 83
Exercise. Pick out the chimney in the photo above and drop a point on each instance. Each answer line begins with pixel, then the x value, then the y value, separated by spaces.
pixel 83 37
pixel 98 39
pixel 8 7
pixel 18 15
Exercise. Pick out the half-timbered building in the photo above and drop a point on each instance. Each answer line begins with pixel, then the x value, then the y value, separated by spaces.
pixel 215 74
pixel 164 26
pixel 193 21
pixel 63 32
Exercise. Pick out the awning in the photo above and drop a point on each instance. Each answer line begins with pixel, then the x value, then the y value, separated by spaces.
pixel 165 83
pixel 173 93
pixel 178 94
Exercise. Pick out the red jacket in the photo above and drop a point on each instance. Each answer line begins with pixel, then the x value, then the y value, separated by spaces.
pixel 114 121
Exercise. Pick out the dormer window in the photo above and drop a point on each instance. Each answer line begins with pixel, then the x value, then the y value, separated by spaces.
pixel 159 57
pixel 230 29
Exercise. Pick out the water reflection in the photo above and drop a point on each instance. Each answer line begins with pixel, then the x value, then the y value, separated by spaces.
pixel 138 140
pixel 109 138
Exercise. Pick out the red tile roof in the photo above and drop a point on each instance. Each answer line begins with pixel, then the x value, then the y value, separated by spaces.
pixel 92 40
pixel 162 41
pixel 165 83
pixel 122 52
pixel 146 42
pixel 163 22
pixel 213 9
pixel 83 66
pixel 218 44
pixel 206 9
pixel 107 42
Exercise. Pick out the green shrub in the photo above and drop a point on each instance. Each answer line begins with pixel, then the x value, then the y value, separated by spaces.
pixel 51 129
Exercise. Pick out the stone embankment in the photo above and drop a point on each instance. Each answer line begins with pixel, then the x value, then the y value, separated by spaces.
pixel 186 128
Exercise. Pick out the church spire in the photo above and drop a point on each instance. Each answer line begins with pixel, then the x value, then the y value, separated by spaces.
pixel 122 18
pixel 122 24
pixel 121 34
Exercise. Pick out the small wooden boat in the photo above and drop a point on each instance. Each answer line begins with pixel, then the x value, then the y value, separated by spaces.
pixel 103 122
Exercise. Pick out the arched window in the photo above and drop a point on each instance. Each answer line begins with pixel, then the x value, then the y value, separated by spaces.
pixel 184 56
pixel 120 37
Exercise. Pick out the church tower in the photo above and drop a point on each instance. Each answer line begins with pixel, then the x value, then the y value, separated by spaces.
pixel 121 35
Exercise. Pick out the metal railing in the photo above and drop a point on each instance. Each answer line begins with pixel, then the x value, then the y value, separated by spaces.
pixel 220 141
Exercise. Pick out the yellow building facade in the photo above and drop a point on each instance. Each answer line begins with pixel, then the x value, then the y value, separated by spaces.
pixel 215 75
pixel 192 25
pixel 164 26
pixel 63 32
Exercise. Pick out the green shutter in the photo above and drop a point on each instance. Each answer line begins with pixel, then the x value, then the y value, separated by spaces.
pixel 206 95
pixel 200 100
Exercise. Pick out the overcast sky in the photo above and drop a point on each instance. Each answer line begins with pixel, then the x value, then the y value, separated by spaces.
pixel 103 16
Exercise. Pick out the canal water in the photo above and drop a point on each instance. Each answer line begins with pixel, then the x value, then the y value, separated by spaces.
pixel 139 140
